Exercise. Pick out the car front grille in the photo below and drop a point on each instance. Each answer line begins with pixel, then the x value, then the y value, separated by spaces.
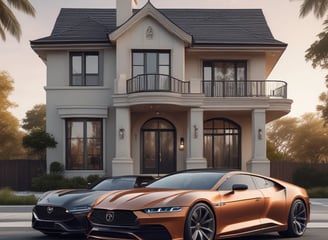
pixel 113 218
pixel 51 213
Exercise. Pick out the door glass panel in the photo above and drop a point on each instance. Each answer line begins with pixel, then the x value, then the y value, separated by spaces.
pixel 149 155
pixel 166 161
pixel 164 59
pixel 151 64
pixel 138 59
pixel 224 71
pixel 208 145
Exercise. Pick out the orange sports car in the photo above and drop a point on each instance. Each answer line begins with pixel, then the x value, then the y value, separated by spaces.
pixel 202 204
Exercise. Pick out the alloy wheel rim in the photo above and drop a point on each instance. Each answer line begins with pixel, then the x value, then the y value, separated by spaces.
pixel 299 218
pixel 202 224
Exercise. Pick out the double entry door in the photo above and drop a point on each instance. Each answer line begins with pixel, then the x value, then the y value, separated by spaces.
pixel 158 147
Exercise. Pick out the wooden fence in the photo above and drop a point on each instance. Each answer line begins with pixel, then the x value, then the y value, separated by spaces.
pixel 285 170
pixel 18 174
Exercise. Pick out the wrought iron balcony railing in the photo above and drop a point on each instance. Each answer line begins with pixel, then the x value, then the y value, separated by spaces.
pixel 166 83
pixel 156 83
pixel 247 88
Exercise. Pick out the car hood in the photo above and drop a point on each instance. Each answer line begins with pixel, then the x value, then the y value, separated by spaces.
pixel 136 199
pixel 69 198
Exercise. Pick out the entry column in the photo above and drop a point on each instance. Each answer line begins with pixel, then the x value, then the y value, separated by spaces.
pixel 195 157
pixel 259 162
pixel 122 163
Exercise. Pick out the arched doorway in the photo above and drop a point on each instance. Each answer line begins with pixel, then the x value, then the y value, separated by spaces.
pixel 222 143
pixel 158 146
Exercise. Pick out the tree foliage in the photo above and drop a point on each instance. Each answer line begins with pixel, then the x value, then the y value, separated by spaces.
pixel 38 141
pixel 302 139
pixel 35 118
pixel 8 21
pixel 323 108
pixel 317 53
pixel 10 135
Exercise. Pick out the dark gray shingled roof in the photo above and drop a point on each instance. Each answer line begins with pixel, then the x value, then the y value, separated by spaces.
pixel 206 26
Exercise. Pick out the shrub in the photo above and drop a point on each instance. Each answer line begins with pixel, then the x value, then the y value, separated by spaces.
pixel 56 168
pixel 318 192
pixel 7 197
pixel 92 179
pixel 76 182
pixel 53 182
pixel 308 177
pixel 48 182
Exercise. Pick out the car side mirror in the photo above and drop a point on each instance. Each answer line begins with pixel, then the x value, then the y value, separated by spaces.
pixel 239 187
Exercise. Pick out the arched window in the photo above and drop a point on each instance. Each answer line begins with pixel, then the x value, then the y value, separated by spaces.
pixel 222 143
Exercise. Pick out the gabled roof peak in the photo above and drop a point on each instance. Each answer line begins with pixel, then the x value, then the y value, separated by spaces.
pixel 149 10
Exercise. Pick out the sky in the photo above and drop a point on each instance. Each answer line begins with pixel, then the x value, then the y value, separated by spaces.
pixel 304 83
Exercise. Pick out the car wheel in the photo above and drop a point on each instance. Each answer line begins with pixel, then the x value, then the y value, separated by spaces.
pixel 297 220
pixel 200 223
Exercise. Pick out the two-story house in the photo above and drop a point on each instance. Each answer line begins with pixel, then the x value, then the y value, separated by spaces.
pixel 152 91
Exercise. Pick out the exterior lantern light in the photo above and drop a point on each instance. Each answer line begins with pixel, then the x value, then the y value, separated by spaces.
pixel 259 134
pixel 181 145
pixel 121 133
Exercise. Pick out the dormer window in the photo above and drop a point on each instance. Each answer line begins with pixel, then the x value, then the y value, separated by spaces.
pixel 84 69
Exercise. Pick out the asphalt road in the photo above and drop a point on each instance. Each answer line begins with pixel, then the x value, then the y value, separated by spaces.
pixel 30 234
pixel 15 224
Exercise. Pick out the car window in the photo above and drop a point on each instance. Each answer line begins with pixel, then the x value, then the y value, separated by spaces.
pixel 143 181
pixel 262 183
pixel 237 179
pixel 188 180
pixel 115 184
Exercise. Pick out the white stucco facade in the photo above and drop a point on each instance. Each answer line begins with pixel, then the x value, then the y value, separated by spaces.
pixel 124 116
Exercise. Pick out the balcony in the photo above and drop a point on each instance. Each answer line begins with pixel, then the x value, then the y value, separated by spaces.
pixel 156 83
pixel 261 88
pixel 166 83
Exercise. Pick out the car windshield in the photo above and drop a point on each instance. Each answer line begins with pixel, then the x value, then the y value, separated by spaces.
pixel 115 184
pixel 189 180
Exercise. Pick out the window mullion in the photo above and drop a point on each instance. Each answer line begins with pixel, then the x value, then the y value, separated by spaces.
pixel 85 144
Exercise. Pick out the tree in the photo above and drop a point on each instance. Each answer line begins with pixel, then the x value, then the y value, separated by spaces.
pixel 10 135
pixel 302 139
pixel 310 144
pixel 8 21
pixel 38 141
pixel 35 118
pixel 280 134
pixel 318 51
pixel 323 108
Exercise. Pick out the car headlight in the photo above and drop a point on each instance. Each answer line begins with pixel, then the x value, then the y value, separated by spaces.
pixel 79 209
pixel 162 210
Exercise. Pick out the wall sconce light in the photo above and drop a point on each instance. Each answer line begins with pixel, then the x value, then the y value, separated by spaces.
pixel 121 133
pixel 195 131
pixel 259 134
pixel 181 145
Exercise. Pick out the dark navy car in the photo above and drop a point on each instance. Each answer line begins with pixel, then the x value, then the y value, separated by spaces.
pixel 65 211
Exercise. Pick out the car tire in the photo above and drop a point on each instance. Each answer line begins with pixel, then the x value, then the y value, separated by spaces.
pixel 200 223
pixel 297 220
